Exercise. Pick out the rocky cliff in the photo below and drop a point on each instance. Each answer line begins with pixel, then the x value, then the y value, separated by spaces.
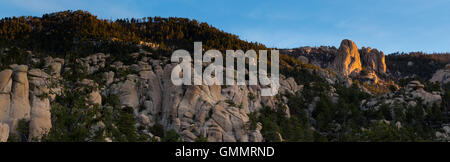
pixel 442 75
pixel 215 113
pixel 126 95
pixel 218 113
pixel 373 60
pixel 26 95
pixel 346 60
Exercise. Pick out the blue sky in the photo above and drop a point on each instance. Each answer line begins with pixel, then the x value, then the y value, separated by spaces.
pixel 389 25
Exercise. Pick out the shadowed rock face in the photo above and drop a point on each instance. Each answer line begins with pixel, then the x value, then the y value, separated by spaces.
pixel 216 112
pixel 20 104
pixel 442 75
pixel 4 132
pixel 347 60
pixel 25 94
pixel 5 90
pixel 40 119
pixel 373 60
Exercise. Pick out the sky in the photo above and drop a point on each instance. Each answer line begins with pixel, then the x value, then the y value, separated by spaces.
pixel 388 25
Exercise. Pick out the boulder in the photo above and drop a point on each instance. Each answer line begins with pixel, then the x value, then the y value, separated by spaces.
pixel 38 73
pixel 427 98
pixel 145 120
pixel 446 129
pixel 95 98
pixel 128 95
pixel 414 85
pixel 55 68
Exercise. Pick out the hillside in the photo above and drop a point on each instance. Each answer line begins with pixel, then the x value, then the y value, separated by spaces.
pixel 82 33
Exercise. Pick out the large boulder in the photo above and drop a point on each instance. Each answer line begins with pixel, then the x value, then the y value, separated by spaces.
pixel 427 98
pixel 126 91
pixel 414 85
pixel 347 60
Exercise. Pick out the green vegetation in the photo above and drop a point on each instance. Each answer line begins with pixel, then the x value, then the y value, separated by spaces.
pixel 81 33
pixel 423 65
pixel 344 121
pixel 171 136
pixel 315 114
pixel 201 139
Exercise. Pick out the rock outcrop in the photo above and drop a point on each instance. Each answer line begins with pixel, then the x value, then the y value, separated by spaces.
pixel 5 96
pixel 442 75
pixel 410 95
pixel 26 95
pixel 94 98
pixel 373 60
pixel 20 103
pixel 347 60
pixel 216 112
pixel 4 132
pixel 40 123
pixel 415 89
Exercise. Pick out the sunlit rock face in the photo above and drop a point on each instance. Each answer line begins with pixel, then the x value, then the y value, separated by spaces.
pixel 347 60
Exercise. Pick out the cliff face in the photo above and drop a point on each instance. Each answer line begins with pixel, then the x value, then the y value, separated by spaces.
pixel 25 96
pixel 347 60
pixel 373 60
pixel 213 113
pixel 216 112
pixel 442 75
pixel 219 113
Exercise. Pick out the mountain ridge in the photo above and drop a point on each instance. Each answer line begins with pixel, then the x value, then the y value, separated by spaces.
pixel 102 83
